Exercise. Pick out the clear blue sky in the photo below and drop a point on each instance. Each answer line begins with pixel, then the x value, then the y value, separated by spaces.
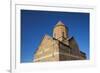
pixel 35 24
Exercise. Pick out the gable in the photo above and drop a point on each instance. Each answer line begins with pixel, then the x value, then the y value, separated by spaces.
pixel 44 44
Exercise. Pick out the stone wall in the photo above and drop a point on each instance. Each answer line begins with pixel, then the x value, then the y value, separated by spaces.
pixel 46 50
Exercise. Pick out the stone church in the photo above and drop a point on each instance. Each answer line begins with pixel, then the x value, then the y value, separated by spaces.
pixel 60 47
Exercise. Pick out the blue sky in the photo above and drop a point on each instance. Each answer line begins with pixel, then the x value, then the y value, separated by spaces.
pixel 35 24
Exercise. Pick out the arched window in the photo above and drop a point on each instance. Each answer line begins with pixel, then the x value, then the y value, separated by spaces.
pixel 62 34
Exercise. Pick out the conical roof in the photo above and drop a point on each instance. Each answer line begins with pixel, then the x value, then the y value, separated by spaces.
pixel 60 23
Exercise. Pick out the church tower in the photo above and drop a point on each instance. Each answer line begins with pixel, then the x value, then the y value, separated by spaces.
pixel 60 32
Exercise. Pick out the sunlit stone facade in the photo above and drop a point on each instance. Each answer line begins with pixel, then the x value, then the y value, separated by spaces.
pixel 59 47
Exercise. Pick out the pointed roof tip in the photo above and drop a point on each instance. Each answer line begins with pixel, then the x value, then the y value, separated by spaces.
pixel 60 23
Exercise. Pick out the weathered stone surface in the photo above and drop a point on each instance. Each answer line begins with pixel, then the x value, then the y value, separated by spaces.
pixel 59 47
